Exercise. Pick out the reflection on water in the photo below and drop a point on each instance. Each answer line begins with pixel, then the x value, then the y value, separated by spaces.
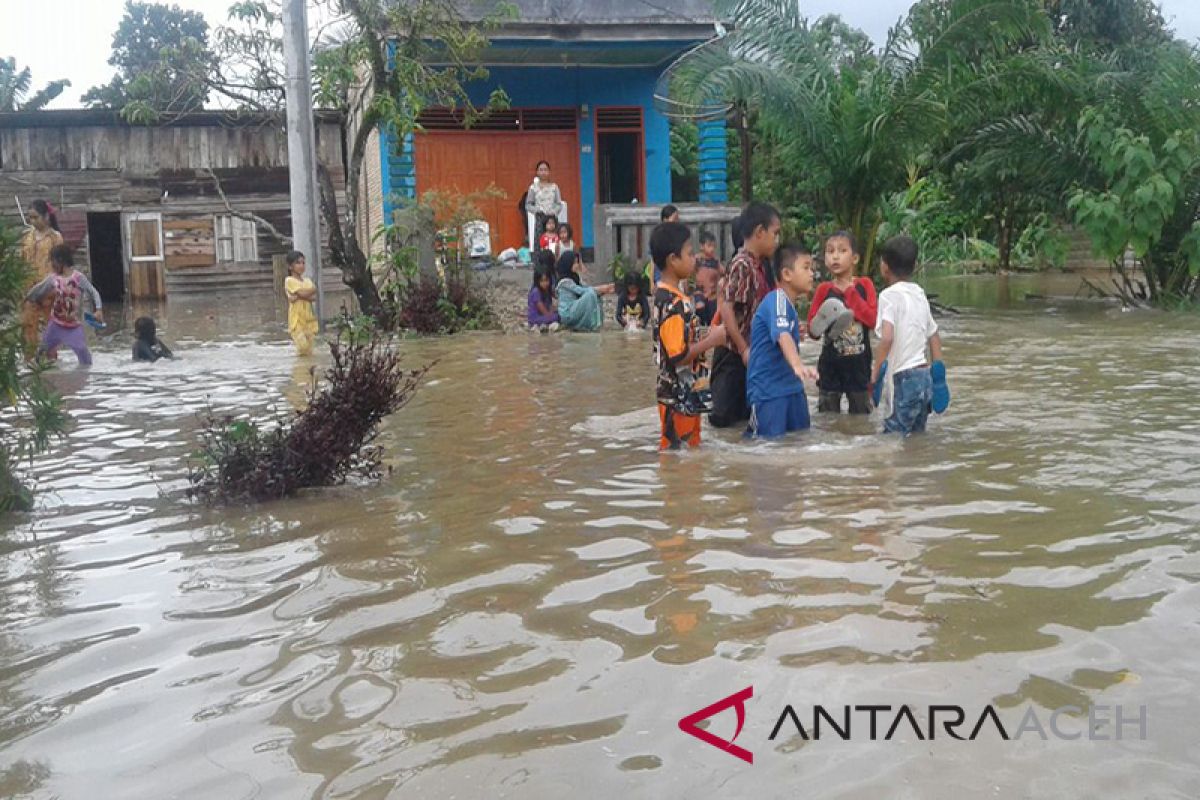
pixel 534 597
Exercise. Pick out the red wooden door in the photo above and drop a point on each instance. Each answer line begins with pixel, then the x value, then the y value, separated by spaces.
pixel 470 161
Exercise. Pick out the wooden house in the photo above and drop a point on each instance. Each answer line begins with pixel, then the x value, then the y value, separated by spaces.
pixel 153 210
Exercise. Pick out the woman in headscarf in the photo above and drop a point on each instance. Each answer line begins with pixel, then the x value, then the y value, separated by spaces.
pixel 579 306
pixel 39 239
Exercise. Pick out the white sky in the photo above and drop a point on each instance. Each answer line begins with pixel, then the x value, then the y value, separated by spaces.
pixel 72 38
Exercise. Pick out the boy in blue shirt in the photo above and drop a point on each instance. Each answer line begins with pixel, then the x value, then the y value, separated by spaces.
pixel 775 376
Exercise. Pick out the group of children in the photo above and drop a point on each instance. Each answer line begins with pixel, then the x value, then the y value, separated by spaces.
pixel 65 292
pixel 757 375
pixel 633 311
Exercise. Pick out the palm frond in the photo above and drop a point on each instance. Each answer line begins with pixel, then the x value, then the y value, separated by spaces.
pixel 45 95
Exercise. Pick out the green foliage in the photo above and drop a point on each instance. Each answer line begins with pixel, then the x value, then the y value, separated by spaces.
pixel 971 129
pixel 621 266
pixel 1043 244
pixel 849 124
pixel 1146 203
pixel 15 85
pixel 162 59
pixel 1107 25
pixel 31 413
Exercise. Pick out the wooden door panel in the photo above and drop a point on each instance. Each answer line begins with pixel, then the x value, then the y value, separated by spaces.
pixel 467 162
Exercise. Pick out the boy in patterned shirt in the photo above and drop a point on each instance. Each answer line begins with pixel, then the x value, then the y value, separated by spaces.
pixel 682 390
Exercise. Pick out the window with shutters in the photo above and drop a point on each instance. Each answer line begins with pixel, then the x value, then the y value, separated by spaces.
pixel 237 239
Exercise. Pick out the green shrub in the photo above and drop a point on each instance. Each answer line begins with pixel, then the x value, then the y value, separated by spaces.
pixel 31 413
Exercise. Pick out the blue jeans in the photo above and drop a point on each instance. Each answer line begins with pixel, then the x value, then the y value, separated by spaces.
pixel 911 396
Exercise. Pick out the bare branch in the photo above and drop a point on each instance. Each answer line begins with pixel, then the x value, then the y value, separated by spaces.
pixel 286 241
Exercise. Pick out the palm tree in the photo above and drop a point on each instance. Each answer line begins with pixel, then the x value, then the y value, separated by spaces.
pixel 15 85
pixel 860 125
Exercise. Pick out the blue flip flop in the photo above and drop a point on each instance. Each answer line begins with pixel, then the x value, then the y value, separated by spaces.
pixel 91 320
pixel 877 395
pixel 941 392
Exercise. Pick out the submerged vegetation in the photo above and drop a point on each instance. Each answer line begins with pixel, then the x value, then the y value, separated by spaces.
pixel 328 442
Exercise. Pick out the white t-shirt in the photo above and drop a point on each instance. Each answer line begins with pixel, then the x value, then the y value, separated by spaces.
pixel 905 306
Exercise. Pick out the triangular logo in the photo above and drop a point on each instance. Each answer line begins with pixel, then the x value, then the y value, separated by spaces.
pixel 737 700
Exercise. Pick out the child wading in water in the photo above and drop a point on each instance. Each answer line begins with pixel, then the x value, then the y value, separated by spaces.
pixel 845 363
pixel 905 325
pixel 748 280
pixel 541 312
pixel 64 288
pixel 147 346
pixel 682 397
pixel 300 291
pixel 775 378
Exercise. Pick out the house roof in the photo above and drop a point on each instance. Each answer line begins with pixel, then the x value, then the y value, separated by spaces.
pixel 600 33
pixel 600 12
pixel 600 20
pixel 105 118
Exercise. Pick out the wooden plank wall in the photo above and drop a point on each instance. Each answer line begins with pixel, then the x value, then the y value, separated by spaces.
pixel 144 150
pixel 122 168
pixel 189 242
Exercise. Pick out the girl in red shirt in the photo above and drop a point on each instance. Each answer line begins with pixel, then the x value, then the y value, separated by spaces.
pixel 845 363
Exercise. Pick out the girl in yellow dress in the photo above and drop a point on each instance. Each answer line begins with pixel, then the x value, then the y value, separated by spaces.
pixel 40 238
pixel 300 291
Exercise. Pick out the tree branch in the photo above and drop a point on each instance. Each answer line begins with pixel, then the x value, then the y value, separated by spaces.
pixel 286 241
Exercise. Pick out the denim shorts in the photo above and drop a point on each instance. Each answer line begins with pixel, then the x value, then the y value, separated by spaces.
pixel 911 396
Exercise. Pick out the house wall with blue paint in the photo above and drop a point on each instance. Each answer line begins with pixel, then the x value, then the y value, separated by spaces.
pixel 576 87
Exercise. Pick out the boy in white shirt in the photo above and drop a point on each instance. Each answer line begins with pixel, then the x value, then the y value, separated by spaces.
pixel 904 326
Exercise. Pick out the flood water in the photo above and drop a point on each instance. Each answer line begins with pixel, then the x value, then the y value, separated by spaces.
pixel 532 600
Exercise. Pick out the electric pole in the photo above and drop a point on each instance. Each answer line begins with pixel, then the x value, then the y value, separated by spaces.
pixel 301 141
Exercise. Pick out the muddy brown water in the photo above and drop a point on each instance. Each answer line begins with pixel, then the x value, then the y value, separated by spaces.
pixel 532 600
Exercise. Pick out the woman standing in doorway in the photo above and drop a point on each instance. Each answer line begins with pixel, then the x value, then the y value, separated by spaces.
pixel 544 198
pixel 39 239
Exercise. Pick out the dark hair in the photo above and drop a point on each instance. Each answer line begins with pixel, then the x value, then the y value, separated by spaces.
pixel 566 264
pixel 47 211
pixel 62 255
pixel 785 257
pixel 549 219
pixel 706 237
pixel 539 164
pixel 668 211
pixel 735 233
pixel 293 256
pixel 544 259
pixel 634 279
pixel 566 226
pixel 757 215
pixel 848 236
pixel 145 330
pixel 900 255
pixel 543 272
pixel 668 240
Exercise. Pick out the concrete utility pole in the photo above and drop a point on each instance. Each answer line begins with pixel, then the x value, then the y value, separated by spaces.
pixel 301 139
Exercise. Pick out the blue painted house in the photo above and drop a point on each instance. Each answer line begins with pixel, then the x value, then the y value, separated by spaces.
pixel 581 78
